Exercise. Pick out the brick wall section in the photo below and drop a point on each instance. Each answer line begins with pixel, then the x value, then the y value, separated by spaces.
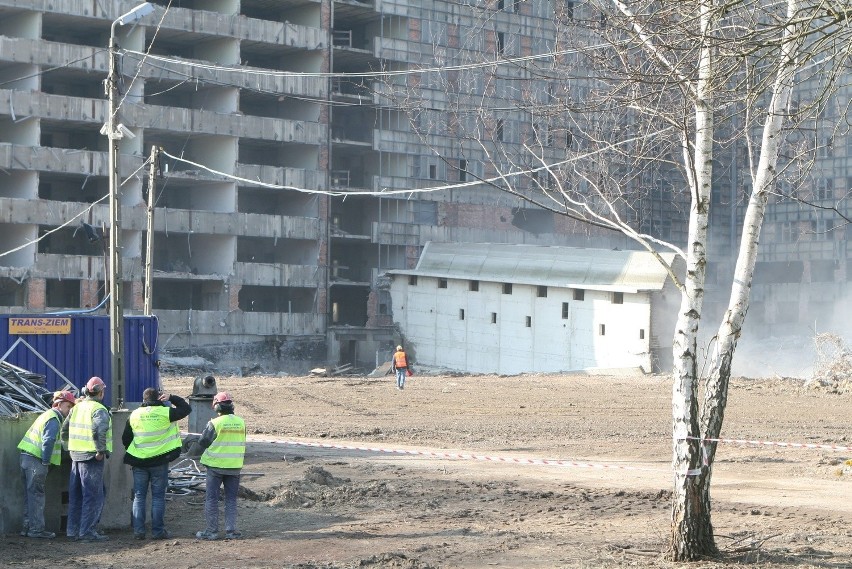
pixel 414 29
pixel 89 293
pixel 322 301
pixel 372 309
pixel 233 291
pixel 472 215
pixel 137 295
pixel 36 294
pixel 325 15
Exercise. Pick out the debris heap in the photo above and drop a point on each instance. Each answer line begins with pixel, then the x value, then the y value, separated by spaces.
pixel 21 390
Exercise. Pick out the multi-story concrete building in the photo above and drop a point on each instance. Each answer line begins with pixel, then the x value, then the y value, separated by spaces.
pixel 247 95
pixel 274 123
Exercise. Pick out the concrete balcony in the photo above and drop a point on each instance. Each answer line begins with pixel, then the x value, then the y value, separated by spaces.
pixel 83 267
pixel 174 119
pixel 71 161
pixel 269 274
pixel 249 77
pixel 295 177
pixel 37 212
pixel 24 104
pixel 197 21
pixel 242 323
pixel 41 52
pixel 46 53
pixel 280 34
pixel 281 226
pixel 391 233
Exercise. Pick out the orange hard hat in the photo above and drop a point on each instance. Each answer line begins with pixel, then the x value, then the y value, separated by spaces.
pixel 222 397
pixel 60 396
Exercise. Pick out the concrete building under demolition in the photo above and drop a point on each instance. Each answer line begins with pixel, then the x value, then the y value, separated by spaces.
pixel 263 108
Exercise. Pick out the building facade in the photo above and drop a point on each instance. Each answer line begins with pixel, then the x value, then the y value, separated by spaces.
pixel 245 100
pixel 276 120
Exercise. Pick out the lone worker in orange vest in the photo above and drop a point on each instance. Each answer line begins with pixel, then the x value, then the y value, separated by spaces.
pixel 400 366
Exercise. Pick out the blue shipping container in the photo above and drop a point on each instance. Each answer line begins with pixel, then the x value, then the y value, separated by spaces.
pixel 82 350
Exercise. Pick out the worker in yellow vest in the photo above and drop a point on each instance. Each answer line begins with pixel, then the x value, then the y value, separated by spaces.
pixel 88 434
pixel 40 448
pixel 152 440
pixel 224 443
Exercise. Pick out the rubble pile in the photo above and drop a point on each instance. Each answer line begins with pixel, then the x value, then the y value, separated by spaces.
pixel 21 390
pixel 833 367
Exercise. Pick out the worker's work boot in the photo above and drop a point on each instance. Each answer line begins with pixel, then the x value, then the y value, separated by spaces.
pixel 41 534
pixel 207 535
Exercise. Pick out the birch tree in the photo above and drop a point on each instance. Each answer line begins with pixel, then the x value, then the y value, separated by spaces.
pixel 636 96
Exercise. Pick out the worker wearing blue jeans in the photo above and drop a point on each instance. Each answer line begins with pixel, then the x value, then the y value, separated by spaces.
pixel 152 440
pixel 88 434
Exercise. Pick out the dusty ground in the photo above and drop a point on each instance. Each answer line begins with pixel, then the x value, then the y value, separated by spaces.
pixel 605 505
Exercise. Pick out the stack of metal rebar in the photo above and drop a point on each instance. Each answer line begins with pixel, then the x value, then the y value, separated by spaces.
pixel 21 390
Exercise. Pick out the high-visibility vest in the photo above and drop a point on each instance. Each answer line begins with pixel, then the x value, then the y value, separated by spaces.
pixel 399 359
pixel 229 448
pixel 153 433
pixel 80 424
pixel 31 443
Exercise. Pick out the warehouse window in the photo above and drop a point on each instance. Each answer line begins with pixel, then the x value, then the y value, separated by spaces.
pixel 412 280
pixel 461 313
pixel 529 321
pixel 579 294
pixel 442 283
pixel 473 286
pixel 564 310
pixel 618 298
pixel 641 333
pixel 494 318
pixel 542 292
pixel 602 329
pixel 507 288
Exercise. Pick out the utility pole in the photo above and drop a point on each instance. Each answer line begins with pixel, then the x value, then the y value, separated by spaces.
pixel 115 133
pixel 149 246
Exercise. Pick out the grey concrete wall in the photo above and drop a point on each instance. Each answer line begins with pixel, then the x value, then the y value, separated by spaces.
pixel 119 480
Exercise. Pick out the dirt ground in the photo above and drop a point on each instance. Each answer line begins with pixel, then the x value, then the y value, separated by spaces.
pixel 472 491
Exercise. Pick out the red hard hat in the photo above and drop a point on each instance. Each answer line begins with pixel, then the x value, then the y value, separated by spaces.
pixel 95 385
pixel 60 396
pixel 222 397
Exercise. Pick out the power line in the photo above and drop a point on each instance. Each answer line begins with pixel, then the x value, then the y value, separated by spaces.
pixel 49 69
pixel 370 74
pixel 67 223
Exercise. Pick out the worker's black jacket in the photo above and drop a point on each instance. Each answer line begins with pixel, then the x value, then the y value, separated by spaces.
pixel 180 409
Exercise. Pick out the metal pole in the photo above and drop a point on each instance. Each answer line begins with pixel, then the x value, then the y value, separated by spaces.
pixel 116 313
pixel 149 248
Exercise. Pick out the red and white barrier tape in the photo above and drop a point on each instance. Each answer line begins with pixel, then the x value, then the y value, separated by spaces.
pixel 773 443
pixel 461 456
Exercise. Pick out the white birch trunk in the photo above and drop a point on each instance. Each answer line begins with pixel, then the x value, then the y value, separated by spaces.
pixel 692 532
